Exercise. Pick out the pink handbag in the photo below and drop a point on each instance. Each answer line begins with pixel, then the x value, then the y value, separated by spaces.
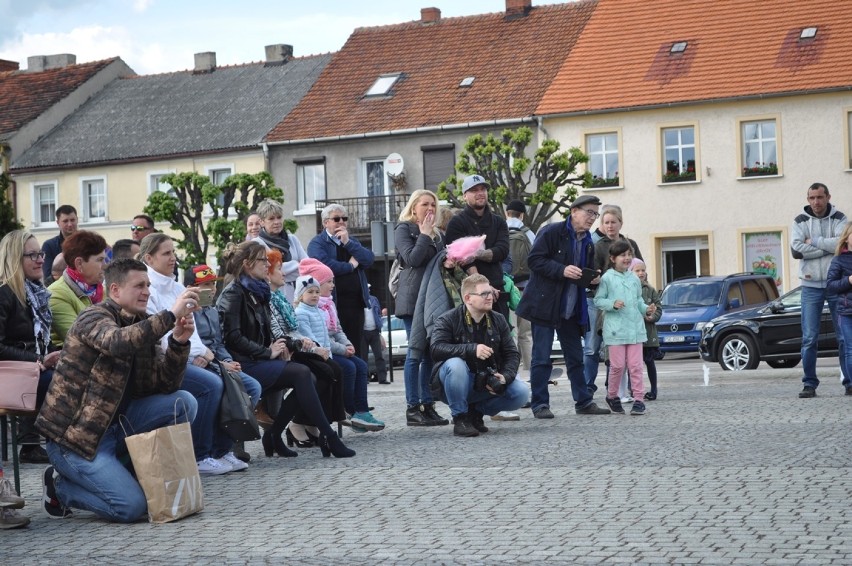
pixel 18 385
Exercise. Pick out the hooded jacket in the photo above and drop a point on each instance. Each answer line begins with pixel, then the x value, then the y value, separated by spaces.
pixel 824 234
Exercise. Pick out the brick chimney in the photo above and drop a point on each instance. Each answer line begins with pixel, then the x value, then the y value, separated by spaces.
pixel 430 15
pixel 518 8
pixel 278 54
pixel 6 65
pixel 38 63
pixel 205 62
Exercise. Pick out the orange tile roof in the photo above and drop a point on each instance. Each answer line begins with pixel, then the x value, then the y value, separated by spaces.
pixel 24 95
pixel 737 48
pixel 513 60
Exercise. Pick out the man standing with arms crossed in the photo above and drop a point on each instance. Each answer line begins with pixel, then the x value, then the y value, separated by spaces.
pixel 815 235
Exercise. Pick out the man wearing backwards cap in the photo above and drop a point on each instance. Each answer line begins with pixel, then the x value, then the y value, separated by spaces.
pixel 477 219
pixel 556 261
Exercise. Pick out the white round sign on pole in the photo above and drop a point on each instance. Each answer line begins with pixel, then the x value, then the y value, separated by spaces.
pixel 394 164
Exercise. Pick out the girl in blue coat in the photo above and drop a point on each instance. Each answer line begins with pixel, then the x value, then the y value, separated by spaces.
pixel 839 282
pixel 619 295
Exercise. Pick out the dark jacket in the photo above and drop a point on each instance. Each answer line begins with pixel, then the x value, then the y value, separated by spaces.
pixel 839 271
pixel 414 251
pixel 17 334
pixel 552 251
pixel 246 324
pixel 102 347
pixel 51 249
pixel 323 248
pixel 452 338
pixel 468 223
pixel 210 331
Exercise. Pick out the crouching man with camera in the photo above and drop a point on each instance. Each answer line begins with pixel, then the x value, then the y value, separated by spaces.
pixel 476 360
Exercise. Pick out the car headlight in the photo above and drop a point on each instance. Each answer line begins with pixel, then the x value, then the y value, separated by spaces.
pixel 706 326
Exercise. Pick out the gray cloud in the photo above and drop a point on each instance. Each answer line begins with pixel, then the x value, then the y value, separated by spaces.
pixel 16 12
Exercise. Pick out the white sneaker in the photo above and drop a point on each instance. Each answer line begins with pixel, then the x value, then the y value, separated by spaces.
pixel 627 399
pixel 212 467
pixel 9 498
pixel 506 416
pixel 236 464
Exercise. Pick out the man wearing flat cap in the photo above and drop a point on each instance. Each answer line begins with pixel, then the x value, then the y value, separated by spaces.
pixel 554 301
pixel 477 219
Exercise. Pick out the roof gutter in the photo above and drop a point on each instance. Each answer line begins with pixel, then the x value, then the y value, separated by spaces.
pixel 406 131
pixel 694 102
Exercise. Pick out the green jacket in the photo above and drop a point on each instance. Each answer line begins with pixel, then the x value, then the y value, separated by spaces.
pixel 651 295
pixel 67 301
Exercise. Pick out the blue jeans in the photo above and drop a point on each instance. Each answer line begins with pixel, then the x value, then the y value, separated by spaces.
pixel 354 383
pixel 812 303
pixel 208 439
pixel 104 485
pixel 460 396
pixel 569 333
pixel 592 347
pixel 417 373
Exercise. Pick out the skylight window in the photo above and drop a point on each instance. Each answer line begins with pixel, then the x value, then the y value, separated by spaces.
pixel 808 33
pixel 678 47
pixel 383 84
pixel 467 81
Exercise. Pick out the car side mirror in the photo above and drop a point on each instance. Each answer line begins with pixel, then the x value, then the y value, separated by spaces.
pixel 734 304
pixel 776 307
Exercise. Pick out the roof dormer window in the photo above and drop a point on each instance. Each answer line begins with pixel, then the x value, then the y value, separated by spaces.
pixel 467 82
pixel 678 47
pixel 808 33
pixel 383 84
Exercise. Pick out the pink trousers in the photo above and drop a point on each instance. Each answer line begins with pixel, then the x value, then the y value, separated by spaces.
pixel 629 356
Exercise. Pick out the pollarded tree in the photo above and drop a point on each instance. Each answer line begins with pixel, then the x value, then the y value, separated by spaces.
pixel 206 214
pixel 8 222
pixel 547 182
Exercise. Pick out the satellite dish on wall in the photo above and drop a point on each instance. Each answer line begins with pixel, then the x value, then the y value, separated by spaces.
pixel 394 164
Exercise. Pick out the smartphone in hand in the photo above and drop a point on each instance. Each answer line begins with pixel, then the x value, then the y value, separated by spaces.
pixel 205 297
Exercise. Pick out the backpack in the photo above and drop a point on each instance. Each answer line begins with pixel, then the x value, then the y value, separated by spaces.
pixel 519 249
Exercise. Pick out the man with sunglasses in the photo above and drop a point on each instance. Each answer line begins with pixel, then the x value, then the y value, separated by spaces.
pixel 348 261
pixel 554 301
pixel 66 219
pixel 142 226
pixel 476 360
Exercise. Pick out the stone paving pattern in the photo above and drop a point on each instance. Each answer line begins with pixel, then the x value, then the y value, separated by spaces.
pixel 741 472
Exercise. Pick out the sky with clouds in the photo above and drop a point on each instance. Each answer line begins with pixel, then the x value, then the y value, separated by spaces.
pixel 157 36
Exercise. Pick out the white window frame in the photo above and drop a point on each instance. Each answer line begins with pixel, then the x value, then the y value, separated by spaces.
pixel 85 202
pixel 302 202
pixel 680 147
pixel 603 154
pixel 847 138
pixel 209 170
pixel 741 145
pixel 362 176
pixel 36 203
pixel 383 85
pixel 150 175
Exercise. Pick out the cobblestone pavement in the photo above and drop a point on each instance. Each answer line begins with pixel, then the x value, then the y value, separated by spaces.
pixel 740 472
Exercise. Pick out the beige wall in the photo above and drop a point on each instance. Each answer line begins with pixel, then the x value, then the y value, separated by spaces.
pixel 721 205
pixel 127 189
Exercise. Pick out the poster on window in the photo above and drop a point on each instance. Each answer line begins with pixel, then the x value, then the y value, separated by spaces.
pixel 762 254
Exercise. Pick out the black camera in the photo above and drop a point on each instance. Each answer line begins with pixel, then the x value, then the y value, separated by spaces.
pixel 484 378
pixel 293 344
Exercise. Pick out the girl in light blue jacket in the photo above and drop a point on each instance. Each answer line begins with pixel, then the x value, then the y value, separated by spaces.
pixel 619 295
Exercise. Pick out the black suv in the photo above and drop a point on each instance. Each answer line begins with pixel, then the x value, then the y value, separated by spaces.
pixel 772 333
pixel 691 302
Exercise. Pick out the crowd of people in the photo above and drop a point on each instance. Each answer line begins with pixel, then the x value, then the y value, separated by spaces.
pixel 123 345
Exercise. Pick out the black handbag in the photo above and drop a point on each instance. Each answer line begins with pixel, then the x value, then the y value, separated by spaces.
pixel 236 413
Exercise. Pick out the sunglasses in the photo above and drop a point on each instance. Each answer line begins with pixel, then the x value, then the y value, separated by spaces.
pixel 339 218
pixel 139 228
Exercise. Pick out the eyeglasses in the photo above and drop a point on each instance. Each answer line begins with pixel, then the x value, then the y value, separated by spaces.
pixel 590 213
pixel 339 218
pixel 263 259
pixel 135 228
pixel 484 294
pixel 35 256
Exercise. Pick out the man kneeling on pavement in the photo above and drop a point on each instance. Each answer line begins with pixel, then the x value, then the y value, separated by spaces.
pixel 476 360
pixel 112 366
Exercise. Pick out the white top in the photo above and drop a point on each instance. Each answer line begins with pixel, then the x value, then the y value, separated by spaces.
pixel 164 293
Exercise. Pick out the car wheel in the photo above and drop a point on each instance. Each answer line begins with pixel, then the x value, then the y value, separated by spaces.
pixel 738 352
pixel 785 363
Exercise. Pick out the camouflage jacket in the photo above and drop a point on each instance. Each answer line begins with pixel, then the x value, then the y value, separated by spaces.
pixel 102 347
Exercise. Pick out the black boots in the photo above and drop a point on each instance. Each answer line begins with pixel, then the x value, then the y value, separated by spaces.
pixel 476 420
pixel 424 415
pixel 463 427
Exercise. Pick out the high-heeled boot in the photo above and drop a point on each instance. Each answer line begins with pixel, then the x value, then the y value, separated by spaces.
pixel 331 444
pixel 292 439
pixel 272 443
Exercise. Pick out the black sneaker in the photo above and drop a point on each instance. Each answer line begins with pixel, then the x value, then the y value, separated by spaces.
pixel 651 396
pixel 463 427
pixel 849 389
pixel 807 392
pixel 414 416
pixel 638 408
pixel 435 419
pixel 615 405
pixel 476 421
pixel 543 413
pixel 33 454
pixel 592 409
pixel 52 506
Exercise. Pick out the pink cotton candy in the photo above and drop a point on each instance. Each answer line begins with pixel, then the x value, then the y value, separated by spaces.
pixel 465 248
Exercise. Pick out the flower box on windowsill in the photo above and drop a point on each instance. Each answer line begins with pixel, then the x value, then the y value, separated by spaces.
pixel 598 182
pixel 760 170
pixel 679 177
